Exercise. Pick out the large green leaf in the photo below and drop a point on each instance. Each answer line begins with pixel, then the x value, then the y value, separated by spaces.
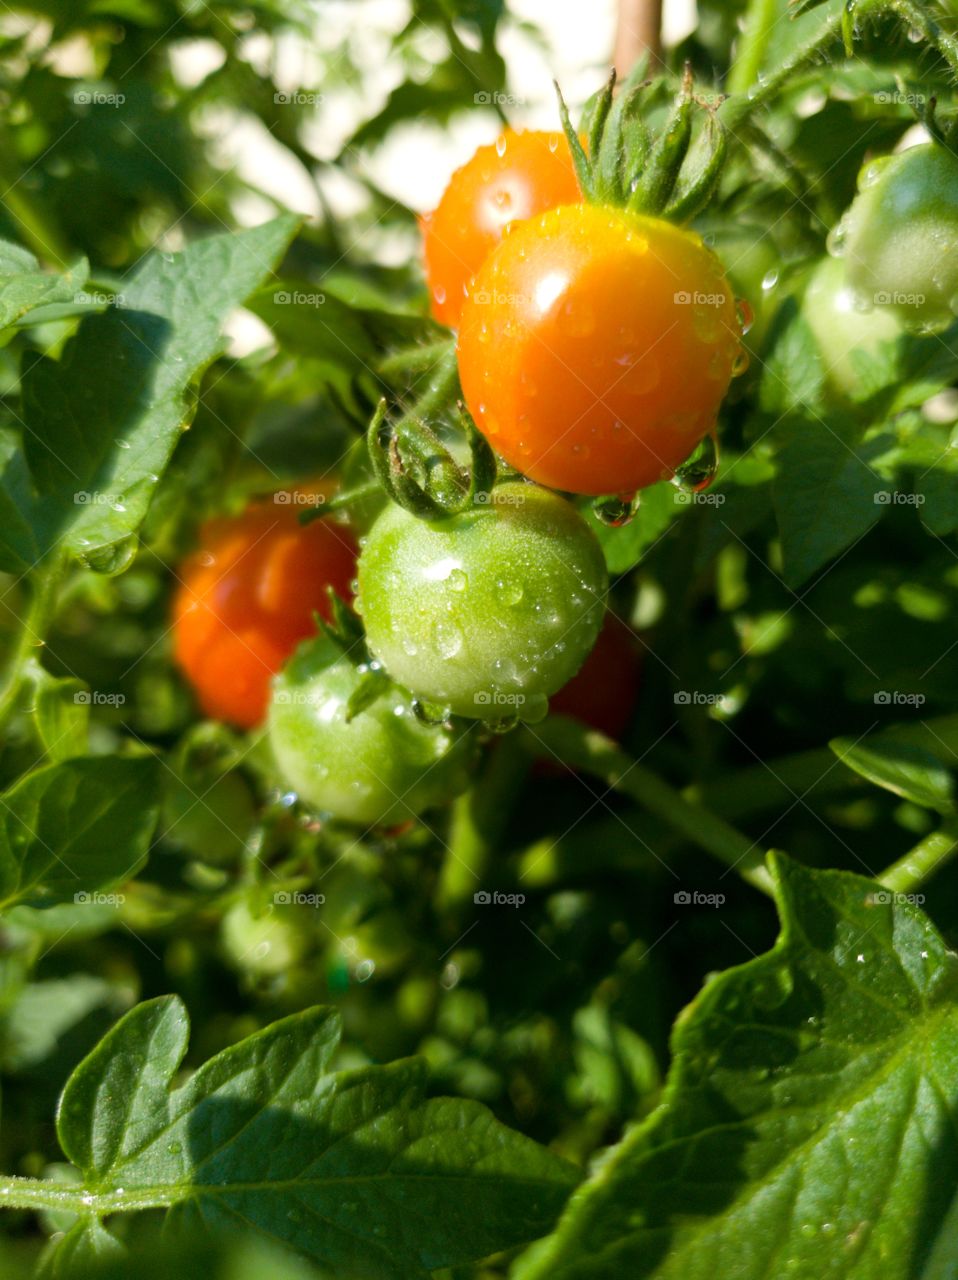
pixel 101 423
pixel 808 1123
pixel 72 828
pixel 356 1169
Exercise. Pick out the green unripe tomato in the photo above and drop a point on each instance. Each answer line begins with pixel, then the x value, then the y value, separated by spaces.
pixel 382 767
pixel 842 330
pixel 264 939
pixel 488 612
pixel 900 235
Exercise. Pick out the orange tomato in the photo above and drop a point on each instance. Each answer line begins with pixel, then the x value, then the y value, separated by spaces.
pixel 246 599
pixel 596 347
pixel 517 177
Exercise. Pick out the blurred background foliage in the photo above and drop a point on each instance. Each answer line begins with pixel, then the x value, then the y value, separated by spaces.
pixel 354 114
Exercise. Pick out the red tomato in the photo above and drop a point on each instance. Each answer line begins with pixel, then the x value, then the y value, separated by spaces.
pixel 596 346
pixel 520 175
pixel 247 598
pixel 605 690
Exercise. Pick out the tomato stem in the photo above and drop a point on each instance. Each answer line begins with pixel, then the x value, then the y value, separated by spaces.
pixel 760 20
pixel 591 752
pixel 42 586
pixel 921 18
pixel 927 857
pixel 479 818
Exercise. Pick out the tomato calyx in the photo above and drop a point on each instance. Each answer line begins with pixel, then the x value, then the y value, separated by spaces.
pixel 627 165
pixel 420 474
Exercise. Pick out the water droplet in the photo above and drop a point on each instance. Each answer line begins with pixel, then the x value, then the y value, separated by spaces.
pixel 740 363
pixel 458 580
pixel 553 143
pixel 503 200
pixel 504 724
pixel 409 646
pixel 836 240
pixel 174 1148
pixel 770 279
pixel 698 470
pixel 429 712
pixel 914 35
pixel 439 295
pixel 744 314
pixel 448 638
pixel 501 145
pixel 616 511
pixel 510 591
pixel 365 970
pixel 123 444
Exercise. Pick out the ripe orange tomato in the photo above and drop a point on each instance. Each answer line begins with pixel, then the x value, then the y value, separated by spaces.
pixel 596 347
pixel 520 175
pixel 604 691
pixel 246 599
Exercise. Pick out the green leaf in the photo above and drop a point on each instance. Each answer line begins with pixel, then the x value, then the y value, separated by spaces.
pixel 24 287
pixel 75 827
pixel 357 1170
pixel 824 494
pixel 61 713
pixel 102 422
pixel 808 1122
pixel 906 770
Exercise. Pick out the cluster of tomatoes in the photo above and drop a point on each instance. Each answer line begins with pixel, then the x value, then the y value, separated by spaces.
pixel 595 346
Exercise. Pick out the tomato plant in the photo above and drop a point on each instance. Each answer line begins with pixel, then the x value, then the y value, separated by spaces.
pixel 247 597
pixel 514 178
pixel 477 777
